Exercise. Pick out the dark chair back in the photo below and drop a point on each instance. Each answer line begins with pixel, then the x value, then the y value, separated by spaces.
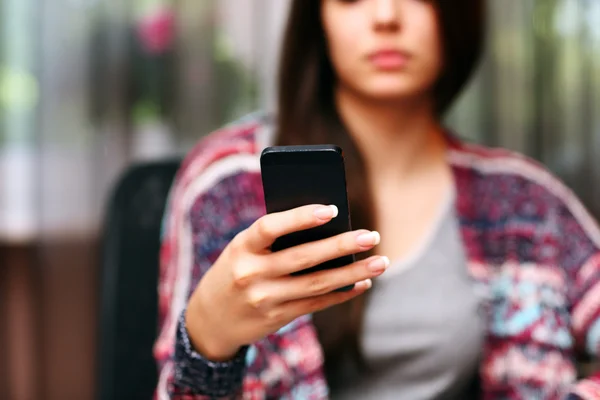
pixel 129 277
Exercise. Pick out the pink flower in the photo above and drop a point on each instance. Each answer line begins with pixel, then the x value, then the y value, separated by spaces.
pixel 156 31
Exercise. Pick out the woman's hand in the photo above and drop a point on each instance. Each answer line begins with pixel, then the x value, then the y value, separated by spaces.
pixel 249 293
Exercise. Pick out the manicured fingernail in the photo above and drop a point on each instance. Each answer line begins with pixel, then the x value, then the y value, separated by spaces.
pixel 365 285
pixel 335 210
pixel 368 239
pixel 326 212
pixel 379 264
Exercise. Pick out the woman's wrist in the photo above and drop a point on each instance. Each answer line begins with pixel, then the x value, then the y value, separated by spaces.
pixel 205 341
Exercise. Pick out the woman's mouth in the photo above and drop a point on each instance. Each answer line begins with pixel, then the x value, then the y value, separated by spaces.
pixel 389 59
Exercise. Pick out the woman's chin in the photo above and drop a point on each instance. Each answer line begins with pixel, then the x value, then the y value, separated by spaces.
pixel 391 89
pixel 391 94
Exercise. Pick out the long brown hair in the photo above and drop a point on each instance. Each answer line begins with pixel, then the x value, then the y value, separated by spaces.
pixel 307 114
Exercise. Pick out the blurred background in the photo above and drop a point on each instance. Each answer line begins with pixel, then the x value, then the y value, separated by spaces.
pixel 90 87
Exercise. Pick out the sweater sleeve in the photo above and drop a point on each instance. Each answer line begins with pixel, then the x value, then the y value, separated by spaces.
pixel 585 318
pixel 581 260
pixel 200 221
pixel 195 374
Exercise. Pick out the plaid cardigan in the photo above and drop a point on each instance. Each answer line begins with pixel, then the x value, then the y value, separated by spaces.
pixel 533 255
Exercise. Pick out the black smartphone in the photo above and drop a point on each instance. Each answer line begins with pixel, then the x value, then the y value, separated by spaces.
pixel 295 176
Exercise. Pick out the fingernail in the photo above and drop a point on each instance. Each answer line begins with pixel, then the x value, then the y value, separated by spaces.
pixel 364 285
pixel 368 239
pixel 335 211
pixel 326 212
pixel 380 264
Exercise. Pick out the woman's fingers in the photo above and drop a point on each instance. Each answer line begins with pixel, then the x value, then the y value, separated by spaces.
pixel 296 308
pixel 266 230
pixel 323 282
pixel 304 256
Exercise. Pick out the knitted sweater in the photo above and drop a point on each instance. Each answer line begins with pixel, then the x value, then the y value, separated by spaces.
pixel 533 254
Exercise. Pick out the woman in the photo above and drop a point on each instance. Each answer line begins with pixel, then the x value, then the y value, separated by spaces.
pixel 495 267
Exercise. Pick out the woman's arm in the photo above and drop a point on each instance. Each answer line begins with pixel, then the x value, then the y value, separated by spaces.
pixel 207 241
pixel 199 224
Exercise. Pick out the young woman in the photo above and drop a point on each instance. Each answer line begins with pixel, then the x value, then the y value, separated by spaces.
pixel 494 276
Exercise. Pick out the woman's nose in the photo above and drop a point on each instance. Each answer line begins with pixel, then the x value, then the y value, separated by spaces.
pixel 386 14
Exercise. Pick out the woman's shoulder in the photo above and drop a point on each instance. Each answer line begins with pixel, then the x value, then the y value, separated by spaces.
pixel 506 170
pixel 510 186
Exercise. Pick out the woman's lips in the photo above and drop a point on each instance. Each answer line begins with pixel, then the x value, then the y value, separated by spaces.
pixel 389 59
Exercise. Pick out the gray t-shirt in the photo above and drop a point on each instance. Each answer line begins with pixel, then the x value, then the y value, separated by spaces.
pixel 423 331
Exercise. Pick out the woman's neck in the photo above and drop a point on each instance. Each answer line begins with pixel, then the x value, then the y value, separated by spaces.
pixel 395 138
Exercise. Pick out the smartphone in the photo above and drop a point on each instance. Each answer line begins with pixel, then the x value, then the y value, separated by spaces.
pixel 295 176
